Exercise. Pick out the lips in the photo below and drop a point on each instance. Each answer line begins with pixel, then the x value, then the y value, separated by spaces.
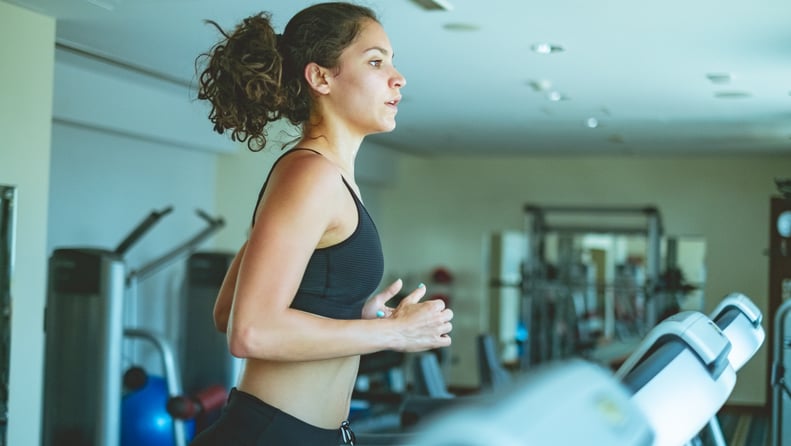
pixel 394 102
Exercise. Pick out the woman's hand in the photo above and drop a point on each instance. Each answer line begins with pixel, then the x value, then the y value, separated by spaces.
pixel 422 325
pixel 375 306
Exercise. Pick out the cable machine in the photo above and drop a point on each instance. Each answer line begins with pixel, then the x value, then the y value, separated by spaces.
pixel 779 391
pixel 556 299
pixel 84 327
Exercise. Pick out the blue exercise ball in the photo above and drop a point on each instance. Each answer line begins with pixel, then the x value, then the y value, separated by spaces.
pixel 145 420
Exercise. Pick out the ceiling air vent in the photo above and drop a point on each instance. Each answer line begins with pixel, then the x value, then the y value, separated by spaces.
pixel 434 5
pixel 109 5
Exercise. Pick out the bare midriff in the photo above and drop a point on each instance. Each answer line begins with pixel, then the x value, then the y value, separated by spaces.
pixel 316 392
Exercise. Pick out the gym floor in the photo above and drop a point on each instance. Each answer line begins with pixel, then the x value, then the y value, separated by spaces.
pixel 742 428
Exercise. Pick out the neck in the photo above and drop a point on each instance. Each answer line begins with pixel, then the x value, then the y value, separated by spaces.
pixel 338 146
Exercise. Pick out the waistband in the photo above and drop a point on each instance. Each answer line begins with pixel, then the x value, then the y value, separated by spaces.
pixel 239 400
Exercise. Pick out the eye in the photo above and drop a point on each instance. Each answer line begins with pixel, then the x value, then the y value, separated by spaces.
pixel 376 63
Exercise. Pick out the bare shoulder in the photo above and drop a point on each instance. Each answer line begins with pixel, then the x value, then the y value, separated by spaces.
pixel 305 167
pixel 305 177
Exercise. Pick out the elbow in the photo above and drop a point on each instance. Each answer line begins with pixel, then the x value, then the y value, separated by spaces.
pixel 220 322
pixel 246 342
pixel 238 343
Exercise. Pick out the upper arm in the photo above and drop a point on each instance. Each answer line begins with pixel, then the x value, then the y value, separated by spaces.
pixel 222 305
pixel 297 211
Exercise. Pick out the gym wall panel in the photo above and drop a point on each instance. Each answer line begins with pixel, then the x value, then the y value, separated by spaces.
pixel 25 121
pixel 442 218
pixel 95 94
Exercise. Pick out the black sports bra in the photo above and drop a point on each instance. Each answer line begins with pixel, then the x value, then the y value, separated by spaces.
pixel 339 278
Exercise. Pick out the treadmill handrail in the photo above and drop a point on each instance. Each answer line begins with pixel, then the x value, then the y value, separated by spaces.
pixel 740 302
pixel 692 328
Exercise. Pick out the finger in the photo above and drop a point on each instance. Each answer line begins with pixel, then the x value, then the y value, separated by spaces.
pixel 438 304
pixel 391 290
pixel 415 296
pixel 381 299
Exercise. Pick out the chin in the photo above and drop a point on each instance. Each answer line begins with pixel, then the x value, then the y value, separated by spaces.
pixel 387 129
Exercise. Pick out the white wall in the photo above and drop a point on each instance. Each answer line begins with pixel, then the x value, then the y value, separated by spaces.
pixel 92 93
pixel 442 218
pixel 25 117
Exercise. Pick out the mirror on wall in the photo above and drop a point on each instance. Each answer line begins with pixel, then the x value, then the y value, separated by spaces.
pixel 7 218
pixel 588 281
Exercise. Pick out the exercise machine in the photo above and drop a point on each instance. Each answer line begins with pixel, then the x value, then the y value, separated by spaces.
pixel 680 376
pixel 781 375
pixel 209 371
pixel 739 319
pixel 664 394
pixel 492 374
pixel 530 412
pixel 84 328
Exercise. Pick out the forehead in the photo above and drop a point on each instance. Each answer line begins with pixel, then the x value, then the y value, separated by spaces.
pixel 372 36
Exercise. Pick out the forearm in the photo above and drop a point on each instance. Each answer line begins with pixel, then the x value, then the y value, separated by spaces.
pixel 284 334
pixel 295 335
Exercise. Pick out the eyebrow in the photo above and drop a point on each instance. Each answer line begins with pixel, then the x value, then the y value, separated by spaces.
pixel 380 49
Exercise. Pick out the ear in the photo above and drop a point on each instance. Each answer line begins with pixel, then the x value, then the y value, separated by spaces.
pixel 316 76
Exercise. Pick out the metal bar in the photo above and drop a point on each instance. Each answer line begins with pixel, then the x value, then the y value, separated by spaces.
pixel 172 374
pixel 573 229
pixel 185 248
pixel 648 209
pixel 141 229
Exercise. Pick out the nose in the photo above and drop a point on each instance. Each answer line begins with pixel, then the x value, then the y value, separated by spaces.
pixel 398 80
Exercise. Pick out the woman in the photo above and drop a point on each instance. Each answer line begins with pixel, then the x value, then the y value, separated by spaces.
pixel 296 301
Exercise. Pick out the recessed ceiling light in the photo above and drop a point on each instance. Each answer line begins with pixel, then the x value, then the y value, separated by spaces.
pixel 719 78
pixel 732 94
pixel 462 27
pixel 556 96
pixel 592 123
pixel 546 48
pixel 434 5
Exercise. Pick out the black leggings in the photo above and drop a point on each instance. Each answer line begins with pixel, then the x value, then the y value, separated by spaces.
pixel 248 421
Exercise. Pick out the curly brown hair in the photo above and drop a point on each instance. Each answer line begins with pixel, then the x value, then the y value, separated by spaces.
pixel 254 76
